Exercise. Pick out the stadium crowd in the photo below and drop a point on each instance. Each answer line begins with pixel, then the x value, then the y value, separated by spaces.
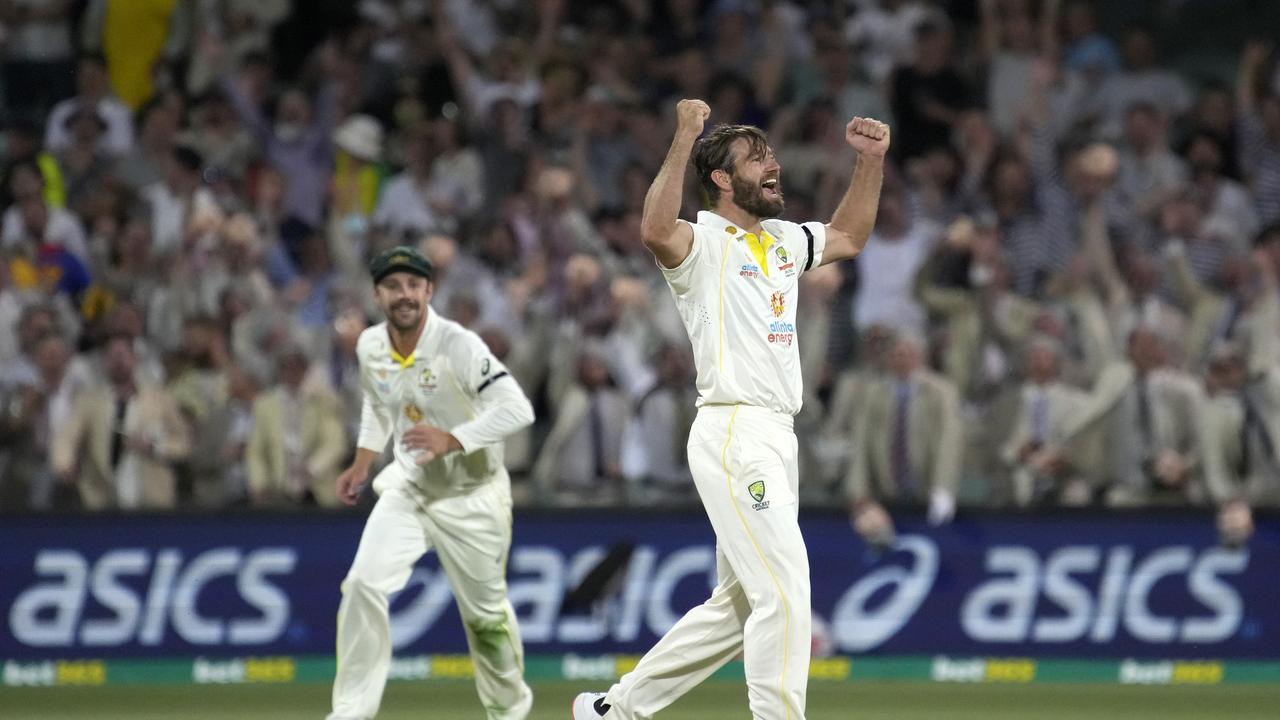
pixel 1070 297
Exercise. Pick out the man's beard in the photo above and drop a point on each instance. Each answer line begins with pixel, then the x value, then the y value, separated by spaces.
pixel 750 197
pixel 415 318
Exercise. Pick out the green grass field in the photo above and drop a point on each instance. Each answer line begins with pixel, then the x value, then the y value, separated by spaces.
pixel 712 701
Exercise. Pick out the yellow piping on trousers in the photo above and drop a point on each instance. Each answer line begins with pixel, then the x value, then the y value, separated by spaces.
pixel 786 608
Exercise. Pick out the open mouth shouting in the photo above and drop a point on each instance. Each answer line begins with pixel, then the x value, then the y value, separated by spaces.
pixel 771 189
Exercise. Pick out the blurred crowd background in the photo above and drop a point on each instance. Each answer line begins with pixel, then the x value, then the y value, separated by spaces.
pixel 1070 297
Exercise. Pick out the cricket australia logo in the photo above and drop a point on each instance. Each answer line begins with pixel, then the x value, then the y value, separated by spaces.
pixel 757 493
pixel 784 261
pixel 778 303
pixel 427 380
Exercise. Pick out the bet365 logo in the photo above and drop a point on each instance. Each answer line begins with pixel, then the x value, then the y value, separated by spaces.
pixel 757 492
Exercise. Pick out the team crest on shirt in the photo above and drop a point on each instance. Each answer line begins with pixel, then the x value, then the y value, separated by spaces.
pixel 757 493
pixel 412 412
pixel 427 379
pixel 785 264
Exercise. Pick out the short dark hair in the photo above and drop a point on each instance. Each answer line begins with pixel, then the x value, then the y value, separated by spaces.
pixel 188 158
pixel 1268 235
pixel 713 152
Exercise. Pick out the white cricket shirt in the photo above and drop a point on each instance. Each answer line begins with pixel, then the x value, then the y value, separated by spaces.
pixel 737 297
pixel 450 381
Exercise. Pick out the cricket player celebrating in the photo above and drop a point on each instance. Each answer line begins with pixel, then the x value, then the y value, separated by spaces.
pixel 734 275
pixel 434 387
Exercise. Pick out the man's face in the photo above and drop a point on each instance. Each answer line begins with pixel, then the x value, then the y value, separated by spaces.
pixel 51 357
pixel 1145 350
pixel 403 298
pixel 91 78
pixel 120 360
pixel 1227 374
pixel 905 358
pixel 757 183
pixel 1042 364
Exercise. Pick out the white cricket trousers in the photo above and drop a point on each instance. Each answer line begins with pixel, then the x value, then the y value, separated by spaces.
pixel 472 535
pixel 743 460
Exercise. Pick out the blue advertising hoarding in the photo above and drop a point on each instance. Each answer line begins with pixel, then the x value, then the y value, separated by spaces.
pixel 1087 586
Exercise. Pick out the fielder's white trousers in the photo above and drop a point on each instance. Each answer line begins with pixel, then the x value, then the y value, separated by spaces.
pixel 760 607
pixel 472 535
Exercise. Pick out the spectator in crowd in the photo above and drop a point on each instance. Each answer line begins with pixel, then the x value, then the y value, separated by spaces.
pixel 177 201
pixel 898 248
pixel 581 461
pixel 217 467
pixel 93 90
pixel 1141 82
pixel 928 94
pixel 1259 129
pixel 908 440
pixel 31 221
pixel 1242 419
pixel 38 65
pixel 1083 197
pixel 159 122
pixel 121 440
pixel 297 443
pixel 1150 415
pixel 659 431
pixel 1048 405
pixel 137 41
pixel 296 140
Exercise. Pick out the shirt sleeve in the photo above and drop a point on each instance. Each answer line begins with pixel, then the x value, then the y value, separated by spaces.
pixel 814 242
pixel 502 406
pixel 681 277
pixel 377 422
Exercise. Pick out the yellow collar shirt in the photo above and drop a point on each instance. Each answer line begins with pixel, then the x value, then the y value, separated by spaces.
pixel 736 293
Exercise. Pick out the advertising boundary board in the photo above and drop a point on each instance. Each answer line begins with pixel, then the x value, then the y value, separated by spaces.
pixel 1152 589
pixel 441 668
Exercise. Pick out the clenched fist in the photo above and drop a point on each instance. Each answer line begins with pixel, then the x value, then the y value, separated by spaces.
pixel 867 136
pixel 690 117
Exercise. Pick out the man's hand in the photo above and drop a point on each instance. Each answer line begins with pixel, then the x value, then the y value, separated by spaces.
pixel 1235 523
pixel 431 441
pixel 691 115
pixel 867 136
pixel 942 507
pixel 1171 469
pixel 351 482
pixel 873 524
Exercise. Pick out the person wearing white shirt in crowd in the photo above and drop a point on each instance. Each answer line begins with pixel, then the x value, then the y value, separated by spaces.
pixel 888 267
pixel 177 200
pixel 94 89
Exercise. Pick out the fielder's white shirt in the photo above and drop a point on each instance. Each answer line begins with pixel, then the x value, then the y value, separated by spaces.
pixel 450 381
pixel 741 312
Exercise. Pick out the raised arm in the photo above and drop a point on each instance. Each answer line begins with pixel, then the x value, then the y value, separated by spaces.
pixel 855 216
pixel 660 229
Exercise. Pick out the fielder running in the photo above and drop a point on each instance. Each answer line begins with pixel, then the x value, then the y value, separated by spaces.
pixel 734 275
pixel 434 387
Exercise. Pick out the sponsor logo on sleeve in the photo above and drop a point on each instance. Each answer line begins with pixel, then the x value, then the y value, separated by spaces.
pixel 757 493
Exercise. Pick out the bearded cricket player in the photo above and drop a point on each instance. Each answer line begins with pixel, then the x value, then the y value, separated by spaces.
pixel 734 275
